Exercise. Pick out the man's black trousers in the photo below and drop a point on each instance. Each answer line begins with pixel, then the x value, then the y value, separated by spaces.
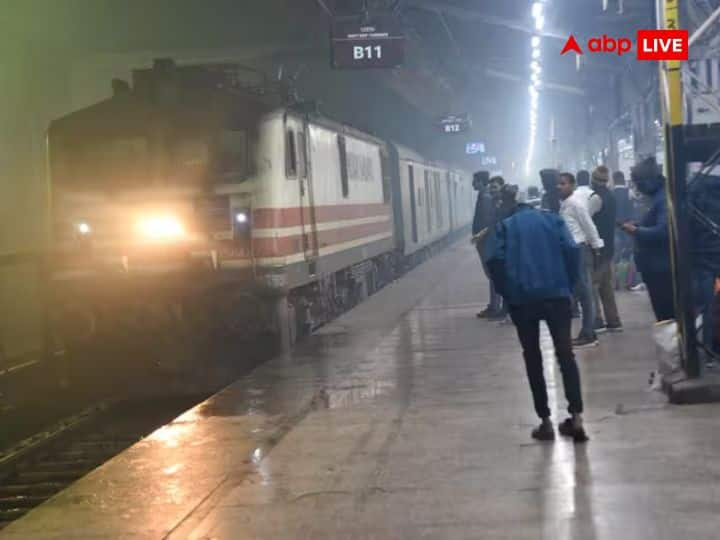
pixel 556 312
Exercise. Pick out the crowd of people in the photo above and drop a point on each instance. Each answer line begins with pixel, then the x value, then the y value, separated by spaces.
pixel 559 260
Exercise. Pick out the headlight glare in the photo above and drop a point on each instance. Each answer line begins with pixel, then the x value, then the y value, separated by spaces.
pixel 161 228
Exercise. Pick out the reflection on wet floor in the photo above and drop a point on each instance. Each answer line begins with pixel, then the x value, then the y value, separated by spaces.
pixel 409 418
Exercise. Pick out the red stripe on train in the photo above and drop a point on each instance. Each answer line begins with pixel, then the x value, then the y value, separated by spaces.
pixel 290 245
pixel 271 218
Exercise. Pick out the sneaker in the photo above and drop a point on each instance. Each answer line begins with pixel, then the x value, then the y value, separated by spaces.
pixel 507 321
pixel 614 328
pixel 584 342
pixel 487 313
pixel 544 432
pixel 577 434
pixel 600 328
pixel 638 288
pixel 497 317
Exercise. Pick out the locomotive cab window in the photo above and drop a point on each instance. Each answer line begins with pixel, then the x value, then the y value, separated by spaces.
pixel 291 160
pixel 103 162
pixel 189 157
pixel 232 155
pixel 302 155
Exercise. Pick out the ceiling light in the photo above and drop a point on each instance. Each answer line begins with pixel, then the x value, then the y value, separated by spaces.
pixel 535 65
pixel 535 41
pixel 539 23
pixel 537 9
pixel 536 54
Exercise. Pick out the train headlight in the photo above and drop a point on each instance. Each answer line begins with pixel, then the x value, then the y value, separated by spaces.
pixel 83 228
pixel 241 218
pixel 161 228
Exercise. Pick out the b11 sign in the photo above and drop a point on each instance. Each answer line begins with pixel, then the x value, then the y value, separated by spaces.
pixel 376 43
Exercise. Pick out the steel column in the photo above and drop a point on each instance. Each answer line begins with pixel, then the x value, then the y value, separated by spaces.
pixel 676 191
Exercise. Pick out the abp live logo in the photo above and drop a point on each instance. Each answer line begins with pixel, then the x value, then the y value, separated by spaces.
pixel 651 45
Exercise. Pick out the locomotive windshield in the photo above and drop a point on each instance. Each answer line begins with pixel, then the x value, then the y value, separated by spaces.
pixel 100 163
pixel 135 161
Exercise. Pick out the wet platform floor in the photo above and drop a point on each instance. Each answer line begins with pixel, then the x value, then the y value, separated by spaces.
pixel 409 418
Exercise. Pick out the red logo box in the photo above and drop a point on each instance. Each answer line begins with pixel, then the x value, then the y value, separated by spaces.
pixel 662 45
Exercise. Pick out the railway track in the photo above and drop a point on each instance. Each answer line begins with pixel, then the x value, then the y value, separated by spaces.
pixel 46 463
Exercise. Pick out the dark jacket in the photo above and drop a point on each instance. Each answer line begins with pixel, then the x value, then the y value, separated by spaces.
pixel 484 212
pixel 704 196
pixel 605 220
pixel 652 240
pixel 623 204
pixel 551 197
pixel 534 257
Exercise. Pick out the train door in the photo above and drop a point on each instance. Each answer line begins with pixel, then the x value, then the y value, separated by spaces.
pixel 450 197
pixel 308 222
pixel 428 201
pixel 413 207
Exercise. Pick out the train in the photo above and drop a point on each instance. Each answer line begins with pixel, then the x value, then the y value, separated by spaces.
pixel 198 197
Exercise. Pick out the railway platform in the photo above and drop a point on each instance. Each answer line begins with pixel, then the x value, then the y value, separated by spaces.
pixel 410 418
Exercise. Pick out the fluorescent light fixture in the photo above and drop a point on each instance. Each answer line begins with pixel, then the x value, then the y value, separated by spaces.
pixel 536 54
pixel 535 66
pixel 535 41
pixel 537 9
pixel 539 23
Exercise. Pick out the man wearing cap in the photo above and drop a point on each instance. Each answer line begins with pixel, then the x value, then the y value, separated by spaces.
pixel 603 209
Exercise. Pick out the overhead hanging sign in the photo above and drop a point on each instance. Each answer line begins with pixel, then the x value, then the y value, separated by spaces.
pixel 452 123
pixel 377 42
pixel 489 160
pixel 473 148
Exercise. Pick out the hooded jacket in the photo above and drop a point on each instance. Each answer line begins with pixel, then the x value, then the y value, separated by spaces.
pixel 652 240
pixel 485 212
pixel 534 257
pixel 551 197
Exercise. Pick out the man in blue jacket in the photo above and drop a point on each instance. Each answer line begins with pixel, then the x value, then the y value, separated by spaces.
pixel 535 265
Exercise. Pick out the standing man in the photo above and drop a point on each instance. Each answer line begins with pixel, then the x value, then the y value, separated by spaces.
pixel 583 189
pixel 573 209
pixel 551 198
pixel 652 239
pixel 625 212
pixel 601 206
pixel 485 218
pixel 534 264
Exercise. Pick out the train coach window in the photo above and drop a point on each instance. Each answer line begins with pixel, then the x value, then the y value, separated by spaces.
pixel 342 151
pixel 291 160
